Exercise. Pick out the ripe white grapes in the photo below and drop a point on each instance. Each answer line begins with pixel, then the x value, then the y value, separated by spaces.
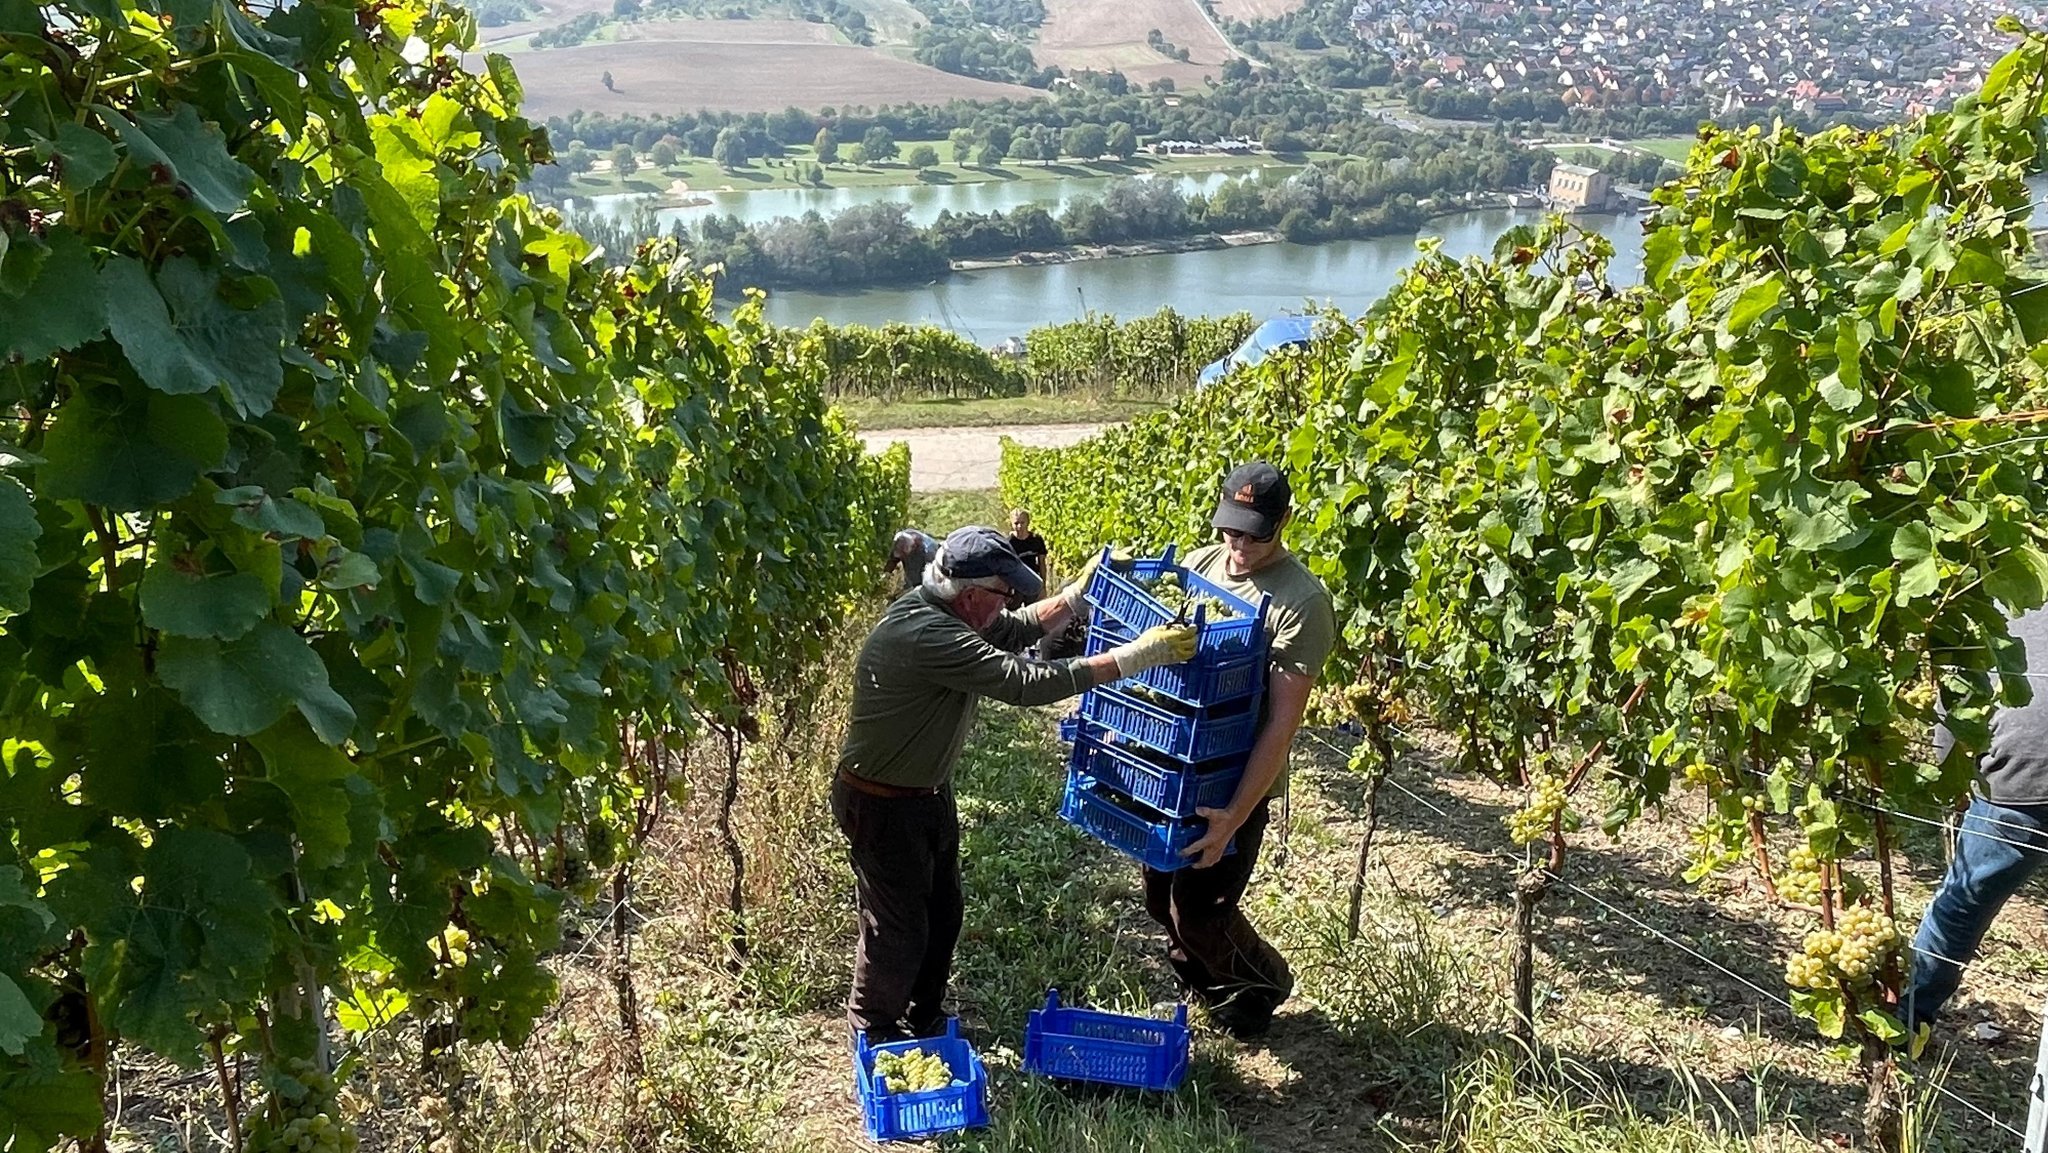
pixel 1532 822
pixel 301 1120
pixel 913 1071
pixel 1850 954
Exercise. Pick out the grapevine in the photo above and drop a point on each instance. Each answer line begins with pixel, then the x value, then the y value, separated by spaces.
pixel 300 1115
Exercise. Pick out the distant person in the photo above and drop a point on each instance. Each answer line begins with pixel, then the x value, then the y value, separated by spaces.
pixel 1028 545
pixel 913 550
pixel 2003 840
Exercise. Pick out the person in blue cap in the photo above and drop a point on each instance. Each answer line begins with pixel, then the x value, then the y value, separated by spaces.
pixel 931 658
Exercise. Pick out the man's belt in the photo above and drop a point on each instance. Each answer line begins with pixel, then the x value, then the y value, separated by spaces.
pixel 878 789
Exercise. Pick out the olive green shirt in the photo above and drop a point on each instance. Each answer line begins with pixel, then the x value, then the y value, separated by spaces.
pixel 919 676
pixel 1302 620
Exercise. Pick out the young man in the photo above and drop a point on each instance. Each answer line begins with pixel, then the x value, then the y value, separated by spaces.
pixel 2004 837
pixel 935 653
pixel 1028 545
pixel 1214 950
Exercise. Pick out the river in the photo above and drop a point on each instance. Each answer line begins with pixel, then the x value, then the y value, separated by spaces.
pixel 1262 279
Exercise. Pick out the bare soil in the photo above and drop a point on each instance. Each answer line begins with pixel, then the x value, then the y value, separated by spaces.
pixel 669 76
pixel 1091 34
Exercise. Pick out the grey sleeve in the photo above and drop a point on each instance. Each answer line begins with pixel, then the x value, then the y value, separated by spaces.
pixel 963 660
pixel 1015 630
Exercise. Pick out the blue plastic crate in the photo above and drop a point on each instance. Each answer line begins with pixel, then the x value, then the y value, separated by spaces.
pixel 1210 734
pixel 1203 681
pixel 909 1116
pixel 1174 789
pixel 1119 596
pixel 1070 726
pixel 1155 843
pixel 1110 1048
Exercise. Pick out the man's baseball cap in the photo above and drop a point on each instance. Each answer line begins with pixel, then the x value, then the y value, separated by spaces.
pixel 980 551
pixel 1255 500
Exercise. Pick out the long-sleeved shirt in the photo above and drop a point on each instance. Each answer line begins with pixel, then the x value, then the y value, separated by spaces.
pixel 918 678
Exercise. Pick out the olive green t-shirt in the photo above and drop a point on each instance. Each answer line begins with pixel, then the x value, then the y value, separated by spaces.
pixel 1302 621
pixel 918 678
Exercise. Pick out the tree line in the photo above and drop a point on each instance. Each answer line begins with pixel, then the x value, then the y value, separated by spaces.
pixel 1384 193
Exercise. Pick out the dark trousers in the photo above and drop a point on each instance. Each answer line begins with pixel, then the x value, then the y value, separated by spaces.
pixel 906 877
pixel 1211 946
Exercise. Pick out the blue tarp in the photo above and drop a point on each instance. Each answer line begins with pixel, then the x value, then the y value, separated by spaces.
pixel 1277 333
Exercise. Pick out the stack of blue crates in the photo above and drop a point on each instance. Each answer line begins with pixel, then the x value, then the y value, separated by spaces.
pixel 1143 762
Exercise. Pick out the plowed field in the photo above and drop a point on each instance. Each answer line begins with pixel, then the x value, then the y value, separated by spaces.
pixel 1104 35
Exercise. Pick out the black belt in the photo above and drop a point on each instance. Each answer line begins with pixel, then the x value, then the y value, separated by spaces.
pixel 878 789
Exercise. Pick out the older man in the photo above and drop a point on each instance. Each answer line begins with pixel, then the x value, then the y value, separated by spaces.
pixel 935 653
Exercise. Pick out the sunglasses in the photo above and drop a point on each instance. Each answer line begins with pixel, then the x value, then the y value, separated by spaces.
pixel 1238 534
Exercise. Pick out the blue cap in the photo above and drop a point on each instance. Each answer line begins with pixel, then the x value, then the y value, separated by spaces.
pixel 980 551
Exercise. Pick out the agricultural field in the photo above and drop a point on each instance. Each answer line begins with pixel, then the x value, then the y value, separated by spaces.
pixel 1672 148
pixel 1090 34
pixel 666 76
pixel 1255 9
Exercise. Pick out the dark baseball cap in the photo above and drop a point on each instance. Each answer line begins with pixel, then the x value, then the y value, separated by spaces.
pixel 980 551
pixel 1255 500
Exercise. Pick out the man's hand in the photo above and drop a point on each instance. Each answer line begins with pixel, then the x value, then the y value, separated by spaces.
pixel 1158 645
pixel 1076 591
pixel 1223 825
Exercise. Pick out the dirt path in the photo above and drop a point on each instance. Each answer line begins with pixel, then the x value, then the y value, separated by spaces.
pixel 946 459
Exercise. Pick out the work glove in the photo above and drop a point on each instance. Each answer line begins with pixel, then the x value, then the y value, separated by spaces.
pixel 1158 645
pixel 1076 591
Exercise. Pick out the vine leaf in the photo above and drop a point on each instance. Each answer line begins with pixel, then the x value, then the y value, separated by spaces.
pixel 88 156
pixel 19 1021
pixel 243 686
pixel 144 755
pixel 182 337
pixel 190 604
pixel 19 531
pixel 59 308
pixel 194 152
pixel 312 776
pixel 130 450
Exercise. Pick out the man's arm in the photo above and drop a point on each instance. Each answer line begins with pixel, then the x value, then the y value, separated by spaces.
pixel 1287 696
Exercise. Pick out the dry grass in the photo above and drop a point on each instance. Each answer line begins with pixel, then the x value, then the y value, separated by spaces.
pixel 671 76
pixel 1093 34
pixel 1256 9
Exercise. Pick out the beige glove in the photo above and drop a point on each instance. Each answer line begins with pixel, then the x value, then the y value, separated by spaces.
pixel 1076 591
pixel 1159 645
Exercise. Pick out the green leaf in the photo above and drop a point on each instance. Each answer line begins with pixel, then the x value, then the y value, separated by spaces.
pixel 19 1021
pixel 1919 579
pixel 86 157
pixel 505 78
pixel 130 450
pixel 1755 300
pixel 280 516
pixel 144 755
pixel 42 1100
pixel 1825 518
pixel 242 687
pixel 183 337
pixel 1661 250
pixel 60 308
pixel 2020 579
pixel 311 776
pixel 195 154
pixel 1913 542
pixel 195 604
pixel 19 531
pixel 1882 1025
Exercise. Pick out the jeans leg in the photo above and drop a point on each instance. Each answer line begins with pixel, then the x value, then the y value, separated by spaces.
pixel 1995 854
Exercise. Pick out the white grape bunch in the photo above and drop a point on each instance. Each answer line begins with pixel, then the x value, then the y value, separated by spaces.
pixel 1546 802
pixel 1847 956
pixel 913 1071
pixel 301 1117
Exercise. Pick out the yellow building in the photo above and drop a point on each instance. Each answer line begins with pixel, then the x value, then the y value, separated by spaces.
pixel 1577 188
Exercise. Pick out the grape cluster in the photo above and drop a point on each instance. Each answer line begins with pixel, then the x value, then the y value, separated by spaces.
pixel 1166 589
pixel 913 1071
pixel 1799 880
pixel 1700 774
pixel 1850 954
pixel 301 1117
pixel 1546 801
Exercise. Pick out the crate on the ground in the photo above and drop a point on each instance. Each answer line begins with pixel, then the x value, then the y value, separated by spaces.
pixel 1205 680
pixel 1171 787
pixel 1111 1048
pixel 1197 735
pixel 1122 597
pixel 1070 725
pixel 909 1116
pixel 1123 825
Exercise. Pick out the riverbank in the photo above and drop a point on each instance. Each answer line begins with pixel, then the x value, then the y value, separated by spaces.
pixel 1205 242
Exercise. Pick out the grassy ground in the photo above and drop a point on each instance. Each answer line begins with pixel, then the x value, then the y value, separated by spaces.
pixel 1672 148
pixel 989 411
pixel 939 513
pixel 1393 1041
pixel 789 172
